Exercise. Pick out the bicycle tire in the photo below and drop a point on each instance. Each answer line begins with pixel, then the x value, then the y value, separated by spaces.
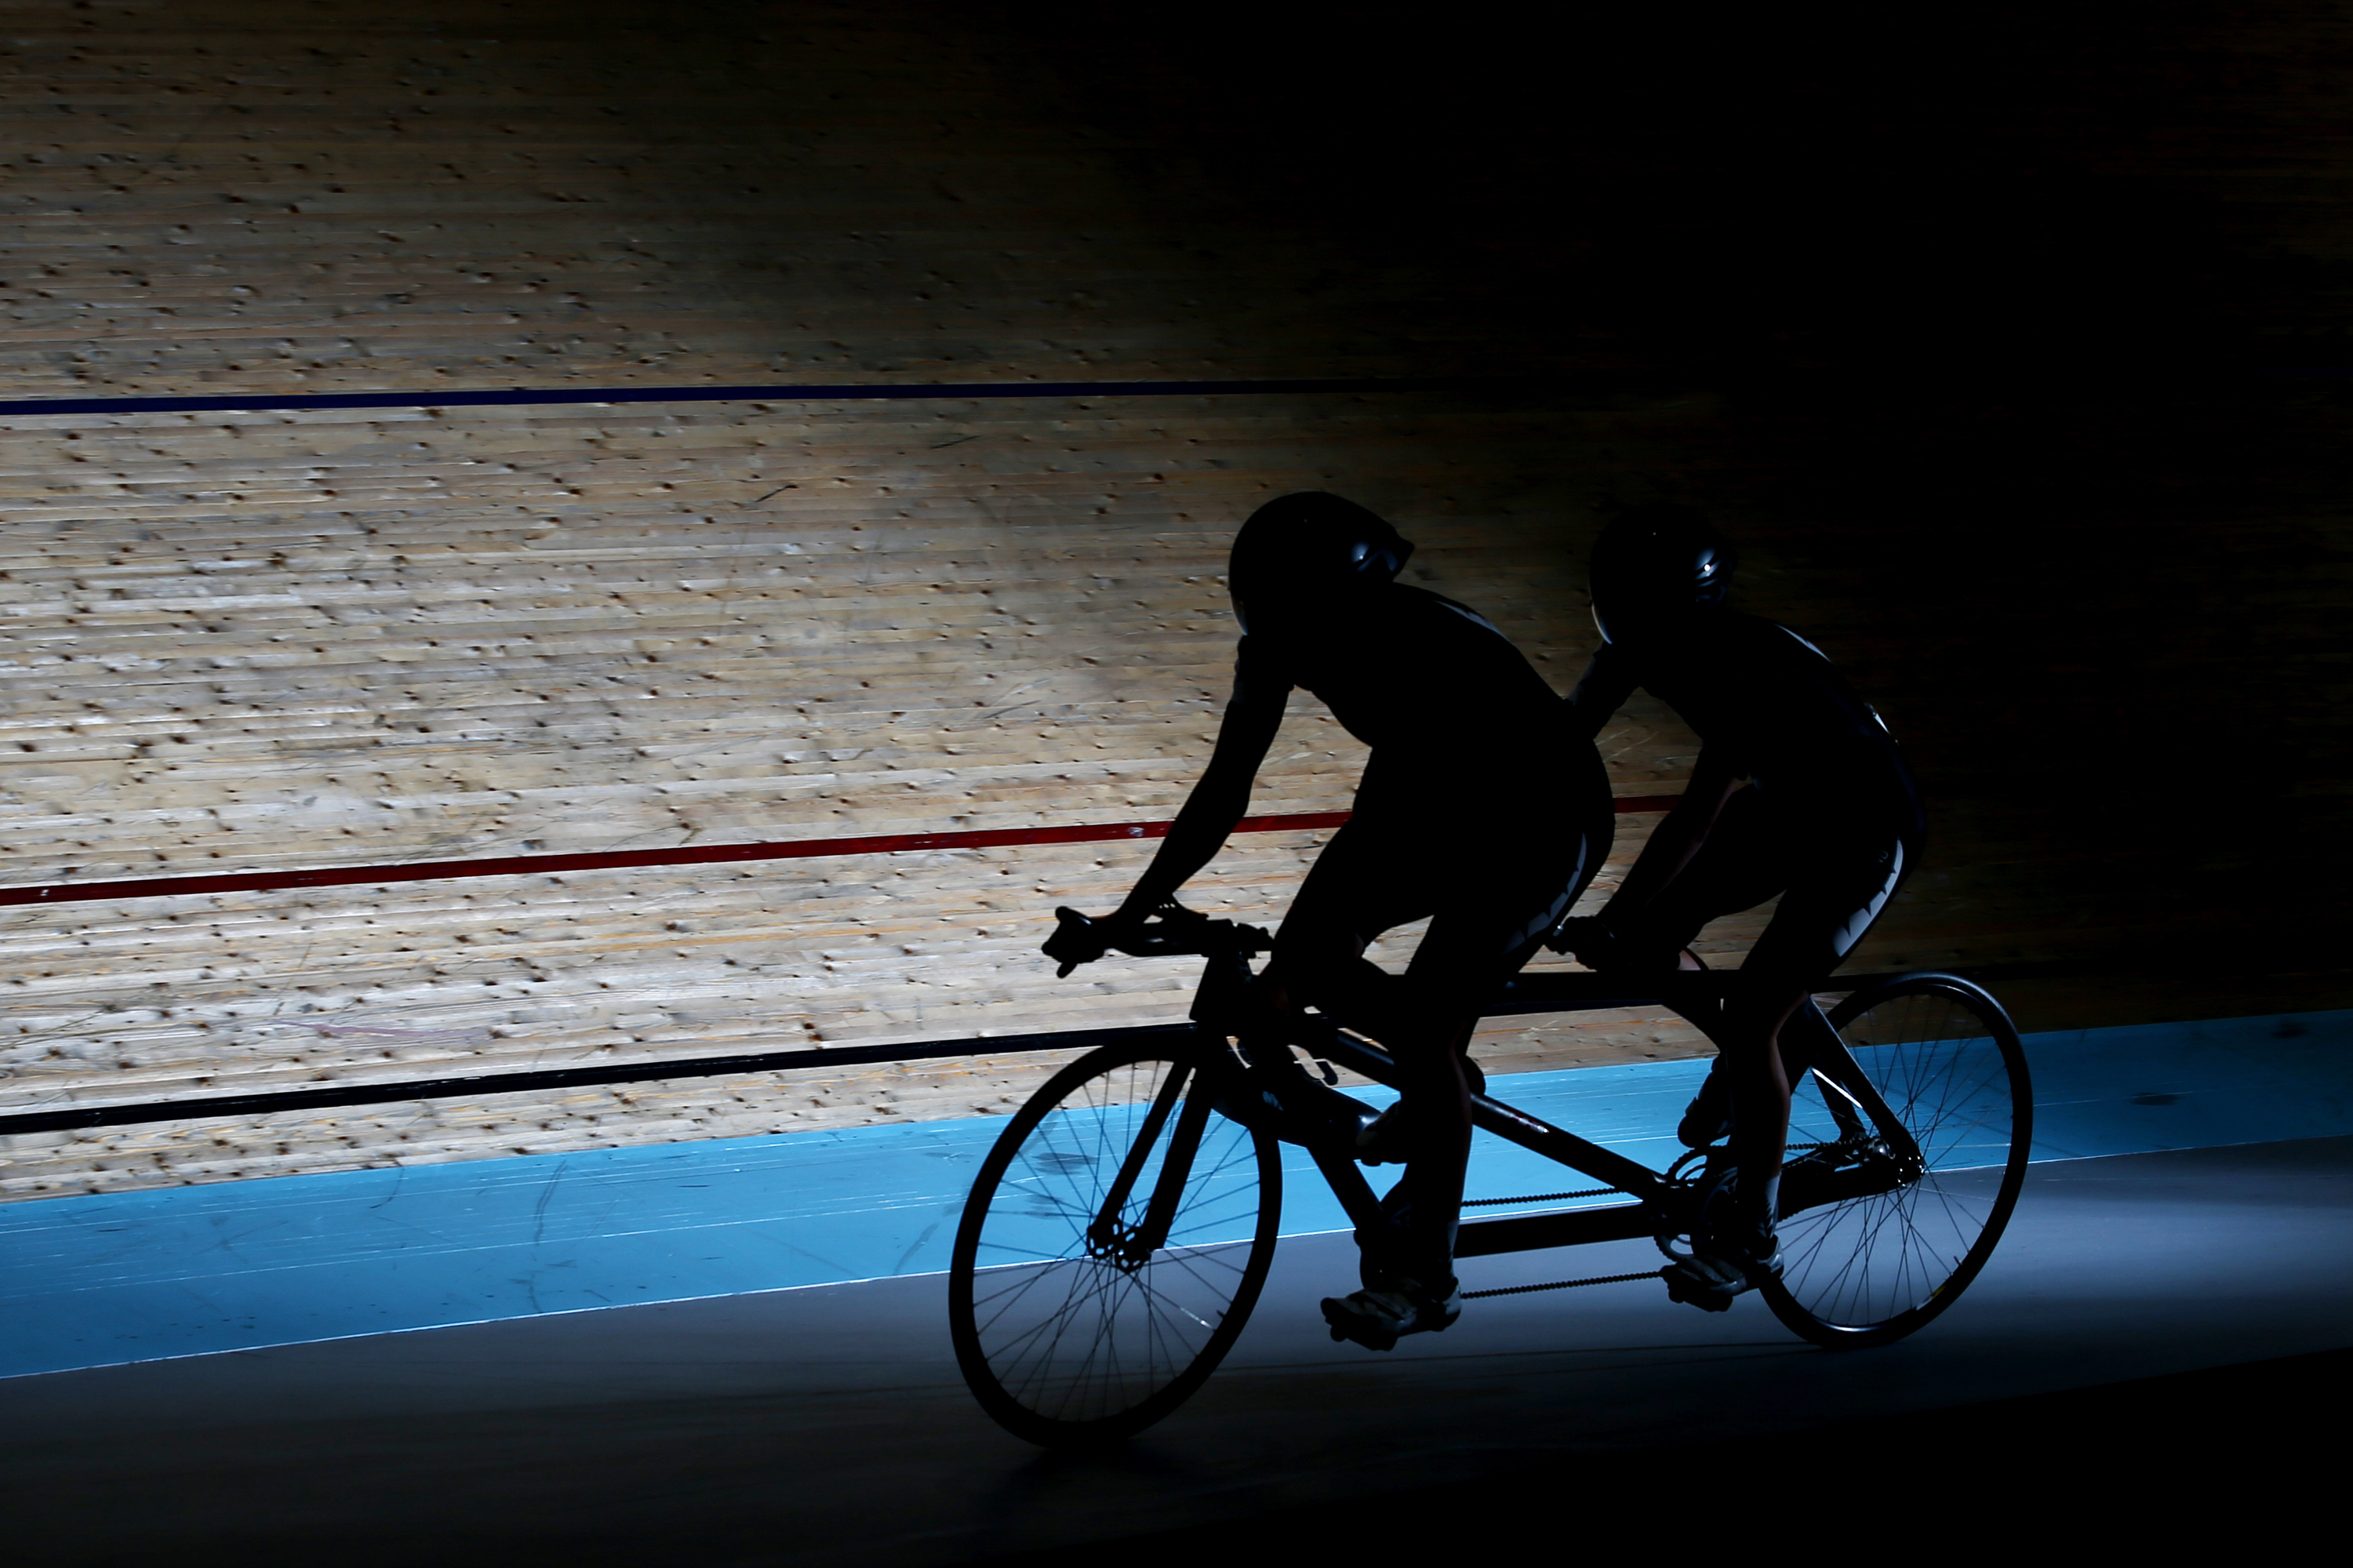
pixel 1867 1270
pixel 1063 1345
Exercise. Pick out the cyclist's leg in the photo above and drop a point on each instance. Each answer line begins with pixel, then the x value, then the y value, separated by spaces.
pixel 1501 901
pixel 1363 882
pixel 1826 911
pixel 1491 906
pixel 1491 901
pixel 1822 915
pixel 1471 948
pixel 1474 944
pixel 1404 854
pixel 1746 858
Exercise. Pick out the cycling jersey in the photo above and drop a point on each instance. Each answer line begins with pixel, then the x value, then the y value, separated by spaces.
pixel 1766 702
pixel 1477 806
pixel 1454 714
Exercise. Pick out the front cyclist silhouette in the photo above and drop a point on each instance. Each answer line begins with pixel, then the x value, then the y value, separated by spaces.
pixel 1799 791
pixel 1477 809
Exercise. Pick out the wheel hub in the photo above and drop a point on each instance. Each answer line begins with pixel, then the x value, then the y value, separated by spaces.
pixel 1121 1246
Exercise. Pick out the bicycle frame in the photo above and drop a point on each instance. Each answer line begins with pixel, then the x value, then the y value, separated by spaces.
pixel 1258 1082
pixel 1116 1240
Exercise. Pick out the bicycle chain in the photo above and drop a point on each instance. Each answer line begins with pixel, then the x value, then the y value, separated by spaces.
pixel 1565 1284
pixel 1542 1197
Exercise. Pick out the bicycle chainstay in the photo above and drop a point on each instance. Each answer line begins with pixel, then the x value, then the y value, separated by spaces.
pixel 1813 1175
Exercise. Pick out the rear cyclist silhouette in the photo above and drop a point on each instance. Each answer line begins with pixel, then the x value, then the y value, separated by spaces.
pixel 1477 809
pixel 1799 791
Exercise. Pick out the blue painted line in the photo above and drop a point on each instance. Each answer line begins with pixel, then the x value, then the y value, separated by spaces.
pixel 92 1281
pixel 776 392
pixel 2150 1087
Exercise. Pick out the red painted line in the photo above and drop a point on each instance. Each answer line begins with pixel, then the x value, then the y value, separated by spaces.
pixel 712 854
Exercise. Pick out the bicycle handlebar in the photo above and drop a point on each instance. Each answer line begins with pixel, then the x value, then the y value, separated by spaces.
pixel 1171 930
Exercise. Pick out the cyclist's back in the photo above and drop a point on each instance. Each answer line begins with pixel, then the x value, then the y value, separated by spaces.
pixel 1452 711
pixel 1769 705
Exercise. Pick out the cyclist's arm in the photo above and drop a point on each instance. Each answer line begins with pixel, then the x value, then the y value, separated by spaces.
pixel 1218 799
pixel 1601 691
pixel 1676 840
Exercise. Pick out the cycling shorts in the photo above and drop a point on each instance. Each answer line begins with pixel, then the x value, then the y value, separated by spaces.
pixel 1833 869
pixel 1492 888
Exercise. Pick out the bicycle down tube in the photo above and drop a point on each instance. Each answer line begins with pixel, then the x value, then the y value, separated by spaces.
pixel 1531 1133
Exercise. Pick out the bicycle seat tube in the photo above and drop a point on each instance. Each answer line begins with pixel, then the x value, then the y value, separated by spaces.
pixel 1808 1043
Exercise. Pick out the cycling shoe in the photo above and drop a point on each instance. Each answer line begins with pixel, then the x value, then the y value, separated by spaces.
pixel 1731 1247
pixel 1708 1119
pixel 1379 1315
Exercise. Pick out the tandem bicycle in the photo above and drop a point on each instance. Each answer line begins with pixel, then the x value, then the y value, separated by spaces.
pixel 1122 1227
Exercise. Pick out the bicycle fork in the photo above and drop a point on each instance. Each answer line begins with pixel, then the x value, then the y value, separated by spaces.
pixel 1132 1246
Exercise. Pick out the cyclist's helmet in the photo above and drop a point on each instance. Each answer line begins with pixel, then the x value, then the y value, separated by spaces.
pixel 1302 557
pixel 1655 566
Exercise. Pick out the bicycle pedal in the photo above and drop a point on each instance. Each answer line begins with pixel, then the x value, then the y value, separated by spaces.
pixel 1686 1292
pixel 1348 1329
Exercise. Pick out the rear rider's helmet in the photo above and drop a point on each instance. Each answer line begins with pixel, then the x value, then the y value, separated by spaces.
pixel 1654 567
pixel 1303 558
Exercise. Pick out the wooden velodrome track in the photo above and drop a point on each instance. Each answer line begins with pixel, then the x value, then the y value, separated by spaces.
pixel 1995 405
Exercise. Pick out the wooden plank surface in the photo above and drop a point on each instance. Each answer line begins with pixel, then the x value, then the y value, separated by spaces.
pixel 2106 619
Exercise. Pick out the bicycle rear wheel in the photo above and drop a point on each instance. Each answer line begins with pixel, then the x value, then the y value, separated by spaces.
pixel 1874 1244
pixel 1069 1325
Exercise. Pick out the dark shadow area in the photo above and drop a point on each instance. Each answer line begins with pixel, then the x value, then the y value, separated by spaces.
pixel 2132 1463
pixel 830 1425
pixel 1984 324
pixel 1733 193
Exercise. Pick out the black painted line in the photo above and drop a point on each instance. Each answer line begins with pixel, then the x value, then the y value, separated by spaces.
pixel 1534 996
pixel 278 1100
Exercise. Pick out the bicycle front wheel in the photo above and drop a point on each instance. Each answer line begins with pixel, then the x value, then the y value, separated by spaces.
pixel 1876 1240
pixel 1112 1247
